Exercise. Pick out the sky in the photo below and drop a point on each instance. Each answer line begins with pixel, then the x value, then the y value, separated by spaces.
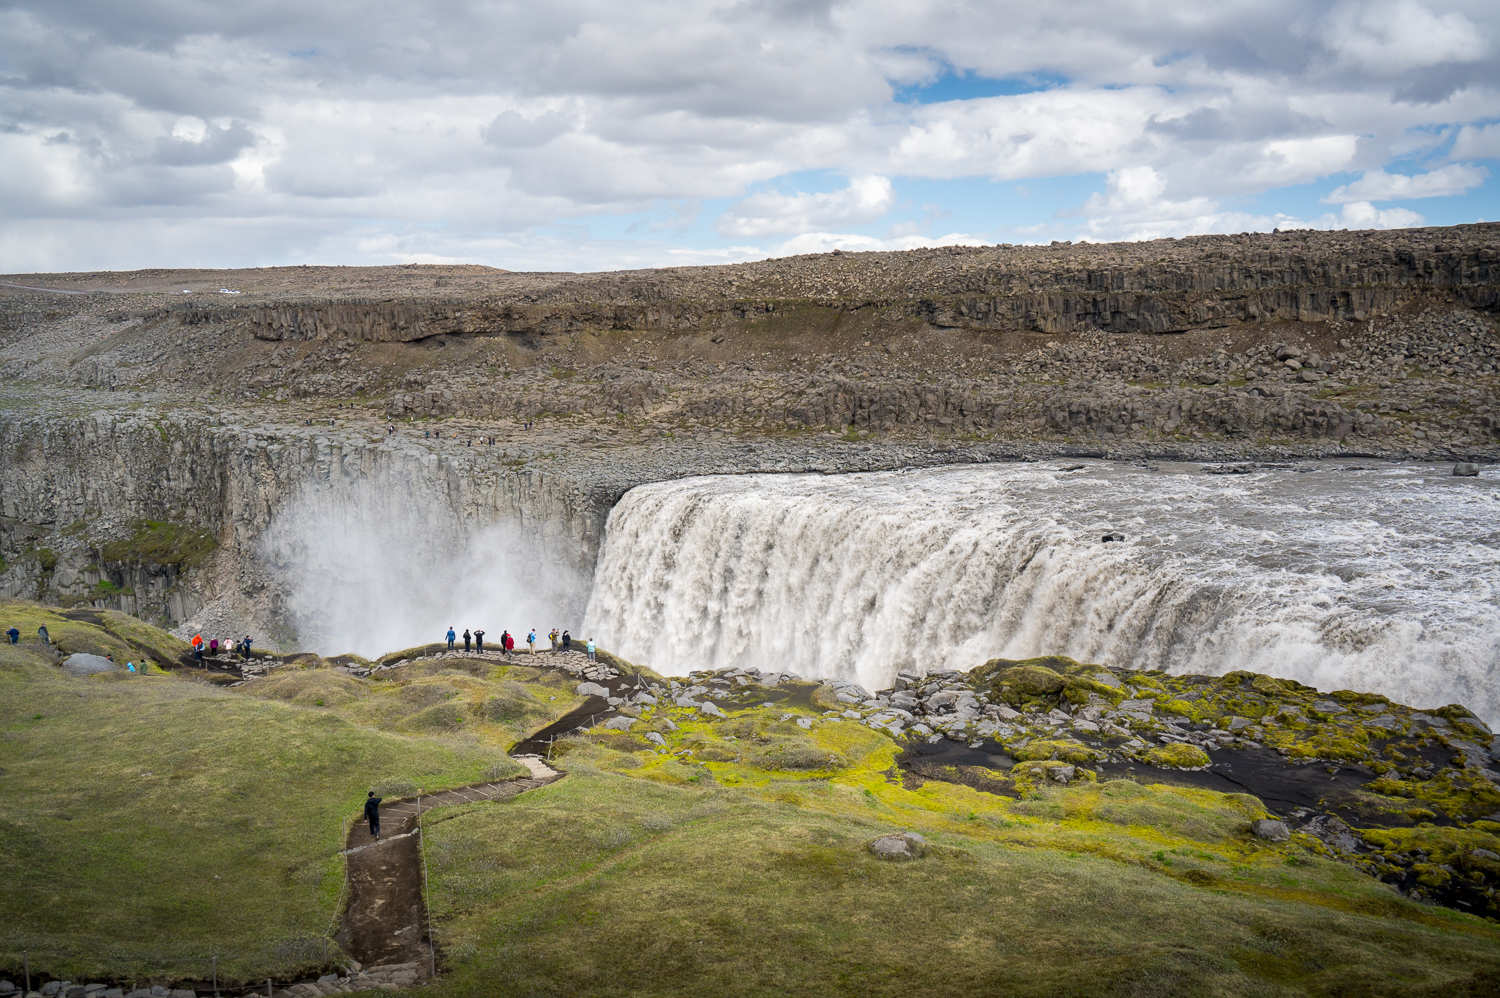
pixel 597 135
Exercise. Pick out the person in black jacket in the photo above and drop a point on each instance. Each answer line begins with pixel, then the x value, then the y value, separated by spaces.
pixel 372 814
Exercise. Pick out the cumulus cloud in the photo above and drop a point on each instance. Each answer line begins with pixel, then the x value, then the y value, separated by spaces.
pixel 373 131
pixel 866 199
pixel 1377 185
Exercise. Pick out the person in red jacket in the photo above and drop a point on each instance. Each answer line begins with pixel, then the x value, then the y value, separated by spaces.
pixel 510 644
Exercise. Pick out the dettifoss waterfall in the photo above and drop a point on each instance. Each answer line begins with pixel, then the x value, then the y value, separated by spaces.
pixel 1378 579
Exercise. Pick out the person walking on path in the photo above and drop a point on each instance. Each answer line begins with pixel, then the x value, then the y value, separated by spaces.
pixel 372 814
pixel 591 650
pixel 531 642
pixel 245 647
pixel 43 636
pixel 198 648
pixel 451 638
pixel 479 641
pixel 467 638
pixel 567 642
pixel 14 635
pixel 509 641
pixel 213 647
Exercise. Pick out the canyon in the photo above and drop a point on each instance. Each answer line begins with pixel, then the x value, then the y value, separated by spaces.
pixel 214 450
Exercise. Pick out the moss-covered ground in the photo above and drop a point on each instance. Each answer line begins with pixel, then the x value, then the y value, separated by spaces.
pixel 151 823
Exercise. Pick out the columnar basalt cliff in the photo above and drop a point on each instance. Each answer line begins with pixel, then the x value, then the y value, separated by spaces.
pixel 210 402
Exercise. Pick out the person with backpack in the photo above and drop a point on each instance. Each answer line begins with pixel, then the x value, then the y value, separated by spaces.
pixel 451 638
pixel 372 814
pixel 467 639
pixel 553 638
pixel 531 642
pixel 14 635
pixel 479 642
pixel 43 636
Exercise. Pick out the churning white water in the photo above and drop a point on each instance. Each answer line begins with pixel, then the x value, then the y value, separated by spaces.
pixel 1382 579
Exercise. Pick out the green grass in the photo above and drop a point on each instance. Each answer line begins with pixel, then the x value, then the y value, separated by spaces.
pixel 605 884
pixel 158 543
pixel 151 823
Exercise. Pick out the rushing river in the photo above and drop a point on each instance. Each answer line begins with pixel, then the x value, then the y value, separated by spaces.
pixel 1373 579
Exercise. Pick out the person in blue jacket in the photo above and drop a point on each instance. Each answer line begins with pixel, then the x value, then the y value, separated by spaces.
pixel 451 638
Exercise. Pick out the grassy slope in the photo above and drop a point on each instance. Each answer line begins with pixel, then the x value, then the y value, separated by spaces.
pixel 152 822
pixel 661 876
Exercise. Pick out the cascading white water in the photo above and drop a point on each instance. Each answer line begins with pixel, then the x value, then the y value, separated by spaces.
pixel 1380 580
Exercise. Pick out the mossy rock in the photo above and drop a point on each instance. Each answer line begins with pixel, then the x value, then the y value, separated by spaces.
pixel 1078 689
pixel 442 717
pixel 1041 770
pixel 1019 682
pixel 1177 756
pixel 1065 751
pixel 798 756
pixel 157 543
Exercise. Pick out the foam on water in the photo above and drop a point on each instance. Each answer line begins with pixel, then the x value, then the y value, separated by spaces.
pixel 1380 579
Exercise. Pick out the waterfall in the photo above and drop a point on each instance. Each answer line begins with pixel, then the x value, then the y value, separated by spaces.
pixel 1373 579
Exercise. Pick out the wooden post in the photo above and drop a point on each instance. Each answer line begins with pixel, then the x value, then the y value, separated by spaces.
pixel 216 977
pixel 26 959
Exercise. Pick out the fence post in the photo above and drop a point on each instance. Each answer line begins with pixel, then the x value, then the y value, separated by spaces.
pixel 26 960
pixel 269 992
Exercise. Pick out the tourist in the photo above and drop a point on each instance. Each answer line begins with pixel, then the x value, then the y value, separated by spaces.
pixel 372 814
pixel 14 635
pixel 213 646
pixel 245 647
pixel 590 647
pixel 479 641
pixel 553 638
pixel 451 638
pixel 510 645
pixel 531 642
pixel 43 636
pixel 567 641
pixel 130 666
pixel 467 638
pixel 198 648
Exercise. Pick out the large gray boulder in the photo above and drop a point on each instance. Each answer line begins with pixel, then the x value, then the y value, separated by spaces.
pixel 1270 829
pixel 82 664
pixel 590 690
pixel 899 845
pixel 619 723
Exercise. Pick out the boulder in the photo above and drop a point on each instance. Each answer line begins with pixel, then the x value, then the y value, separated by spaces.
pixel 590 690
pixel 619 723
pixel 804 722
pixel 1270 829
pixel 899 846
pixel 1465 469
pixel 712 709
pixel 83 664
pixel 652 736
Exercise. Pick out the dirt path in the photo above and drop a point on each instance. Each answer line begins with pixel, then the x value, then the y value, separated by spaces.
pixel 385 921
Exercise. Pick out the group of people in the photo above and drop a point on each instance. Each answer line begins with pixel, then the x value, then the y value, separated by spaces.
pixel 212 646
pixel 14 636
pixel 561 641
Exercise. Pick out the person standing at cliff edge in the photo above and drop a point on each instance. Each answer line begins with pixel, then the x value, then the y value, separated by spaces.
pixel 479 641
pixel 372 814
pixel 590 647
pixel 531 642
pixel 567 641
pixel 451 638
pixel 467 638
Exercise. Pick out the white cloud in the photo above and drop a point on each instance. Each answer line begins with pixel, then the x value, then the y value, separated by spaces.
pixel 272 132
pixel 866 199
pixel 1477 142
pixel 1377 185
pixel 1403 35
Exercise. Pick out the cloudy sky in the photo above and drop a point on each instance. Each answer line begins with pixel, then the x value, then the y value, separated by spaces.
pixel 595 134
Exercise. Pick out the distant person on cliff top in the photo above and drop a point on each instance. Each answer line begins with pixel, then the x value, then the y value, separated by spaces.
pixel 531 642
pixel 479 641
pixel 567 641
pixel 451 638
pixel 590 647
pixel 14 635
pixel 467 638
pixel 372 814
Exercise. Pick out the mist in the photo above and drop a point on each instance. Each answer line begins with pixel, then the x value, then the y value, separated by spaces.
pixel 387 563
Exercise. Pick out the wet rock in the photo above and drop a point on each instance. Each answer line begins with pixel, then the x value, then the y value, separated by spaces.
pixel 1270 829
pixel 1465 470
